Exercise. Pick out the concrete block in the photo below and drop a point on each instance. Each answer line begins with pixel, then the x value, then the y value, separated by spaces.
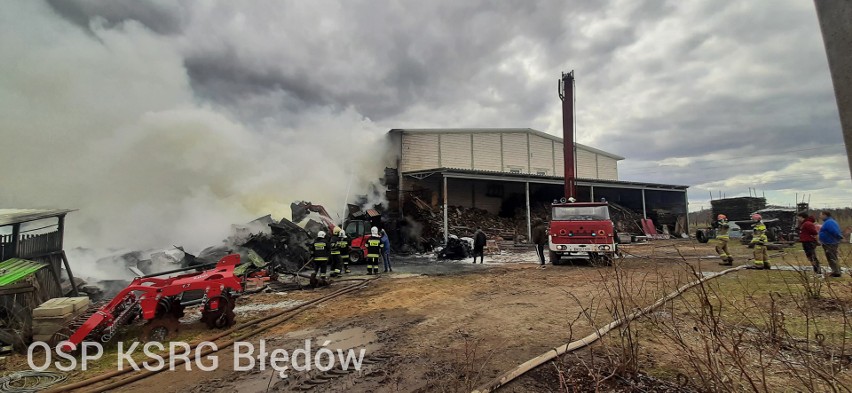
pixel 54 307
pixel 80 303
pixel 61 306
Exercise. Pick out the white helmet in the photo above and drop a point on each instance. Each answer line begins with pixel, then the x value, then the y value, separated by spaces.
pixel 342 234
pixel 321 234
pixel 374 231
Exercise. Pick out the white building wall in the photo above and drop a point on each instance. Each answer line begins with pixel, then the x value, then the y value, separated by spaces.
pixel 486 152
pixel 515 152
pixel 560 163
pixel 541 155
pixel 607 168
pixel 455 151
pixel 419 151
pixel 586 165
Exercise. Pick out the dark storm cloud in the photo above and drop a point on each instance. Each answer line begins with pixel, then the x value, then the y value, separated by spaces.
pixel 163 17
pixel 696 82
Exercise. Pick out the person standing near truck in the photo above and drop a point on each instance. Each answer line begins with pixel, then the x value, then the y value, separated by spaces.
pixel 386 251
pixel 374 251
pixel 808 237
pixel 335 252
pixel 539 238
pixel 830 237
pixel 722 238
pixel 320 251
pixel 343 244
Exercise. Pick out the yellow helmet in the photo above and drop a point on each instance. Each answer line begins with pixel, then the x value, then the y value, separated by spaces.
pixel 336 231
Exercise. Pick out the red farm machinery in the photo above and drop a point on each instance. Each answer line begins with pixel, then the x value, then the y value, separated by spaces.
pixel 160 302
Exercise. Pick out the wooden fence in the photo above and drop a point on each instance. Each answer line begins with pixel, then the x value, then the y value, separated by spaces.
pixel 30 246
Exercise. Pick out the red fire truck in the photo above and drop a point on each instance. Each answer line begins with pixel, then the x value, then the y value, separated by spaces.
pixel 582 230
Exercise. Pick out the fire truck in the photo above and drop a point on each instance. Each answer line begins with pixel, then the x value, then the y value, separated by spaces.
pixel 578 230
pixel 581 230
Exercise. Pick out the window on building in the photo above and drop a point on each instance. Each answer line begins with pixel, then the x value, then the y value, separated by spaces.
pixel 541 173
pixel 514 170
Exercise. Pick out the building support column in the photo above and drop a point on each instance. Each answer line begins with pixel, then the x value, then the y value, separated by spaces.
pixel 446 207
pixel 529 217
pixel 644 209
pixel 16 234
pixel 591 193
pixel 686 207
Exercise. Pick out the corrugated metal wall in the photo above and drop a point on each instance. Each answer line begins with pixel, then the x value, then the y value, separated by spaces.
pixel 515 152
pixel 455 151
pixel 607 168
pixel 586 166
pixel 541 155
pixel 419 151
pixel 560 162
pixel 486 149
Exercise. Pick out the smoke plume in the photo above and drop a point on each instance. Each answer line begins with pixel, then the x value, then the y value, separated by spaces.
pixel 104 119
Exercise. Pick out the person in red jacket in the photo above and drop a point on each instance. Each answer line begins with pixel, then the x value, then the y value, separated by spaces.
pixel 808 236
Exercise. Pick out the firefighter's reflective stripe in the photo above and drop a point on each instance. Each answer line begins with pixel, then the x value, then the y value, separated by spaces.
pixel 321 259
pixel 723 237
pixel 337 271
pixel 374 247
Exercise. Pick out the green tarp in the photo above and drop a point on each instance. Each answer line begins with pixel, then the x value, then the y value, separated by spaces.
pixel 15 269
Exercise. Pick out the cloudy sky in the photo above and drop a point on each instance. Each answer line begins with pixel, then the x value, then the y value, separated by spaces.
pixel 152 109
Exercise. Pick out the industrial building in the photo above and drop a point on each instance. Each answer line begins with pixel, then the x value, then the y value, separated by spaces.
pixel 502 170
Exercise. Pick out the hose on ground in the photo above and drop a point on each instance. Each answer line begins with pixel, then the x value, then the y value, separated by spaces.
pixel 591 338
pixel 30 381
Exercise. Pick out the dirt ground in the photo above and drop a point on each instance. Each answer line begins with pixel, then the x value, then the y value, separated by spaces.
pixel 449 326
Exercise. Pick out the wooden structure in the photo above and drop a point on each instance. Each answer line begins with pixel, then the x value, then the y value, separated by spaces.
pixel 31 261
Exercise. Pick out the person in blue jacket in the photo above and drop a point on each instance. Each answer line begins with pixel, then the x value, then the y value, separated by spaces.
pixel 386 251
pixel 830 237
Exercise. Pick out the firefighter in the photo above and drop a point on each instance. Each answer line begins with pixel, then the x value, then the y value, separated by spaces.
pixel 759 240
pixel 343 244
pixel 335 252
pixel 374 251
pixel 722 238
pixel 320 251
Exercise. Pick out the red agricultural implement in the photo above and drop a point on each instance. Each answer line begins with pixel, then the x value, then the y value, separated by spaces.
pixel 161 302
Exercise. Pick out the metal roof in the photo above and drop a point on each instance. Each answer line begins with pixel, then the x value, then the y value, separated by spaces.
pixel 16 216
pixel 503 130
pixel 15 269
pixel 496 175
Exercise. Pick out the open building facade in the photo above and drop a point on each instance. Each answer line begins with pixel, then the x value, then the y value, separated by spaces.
pixel 509 170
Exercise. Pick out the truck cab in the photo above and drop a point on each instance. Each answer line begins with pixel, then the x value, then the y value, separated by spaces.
pixel 581 230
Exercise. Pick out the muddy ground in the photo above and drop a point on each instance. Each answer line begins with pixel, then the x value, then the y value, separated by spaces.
pixel 449 326
pixel 445 326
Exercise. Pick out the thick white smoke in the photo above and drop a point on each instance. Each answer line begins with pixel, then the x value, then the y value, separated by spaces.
pixel 106 122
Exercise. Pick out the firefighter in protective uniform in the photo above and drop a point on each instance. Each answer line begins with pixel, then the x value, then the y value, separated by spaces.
pixel 334 242
pixel 759 240
pixel 374 251
pixel 343 245
pixel 722 227
pixel 320 252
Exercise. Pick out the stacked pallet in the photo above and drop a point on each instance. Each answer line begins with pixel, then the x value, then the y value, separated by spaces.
pixel 54 314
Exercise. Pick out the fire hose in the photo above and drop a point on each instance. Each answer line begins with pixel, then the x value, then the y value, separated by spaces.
pixel 591 338
pixel 295 310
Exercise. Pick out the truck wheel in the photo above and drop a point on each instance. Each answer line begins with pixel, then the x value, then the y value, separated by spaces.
pixel 554 258
pixel 701 236
pixel 356 257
